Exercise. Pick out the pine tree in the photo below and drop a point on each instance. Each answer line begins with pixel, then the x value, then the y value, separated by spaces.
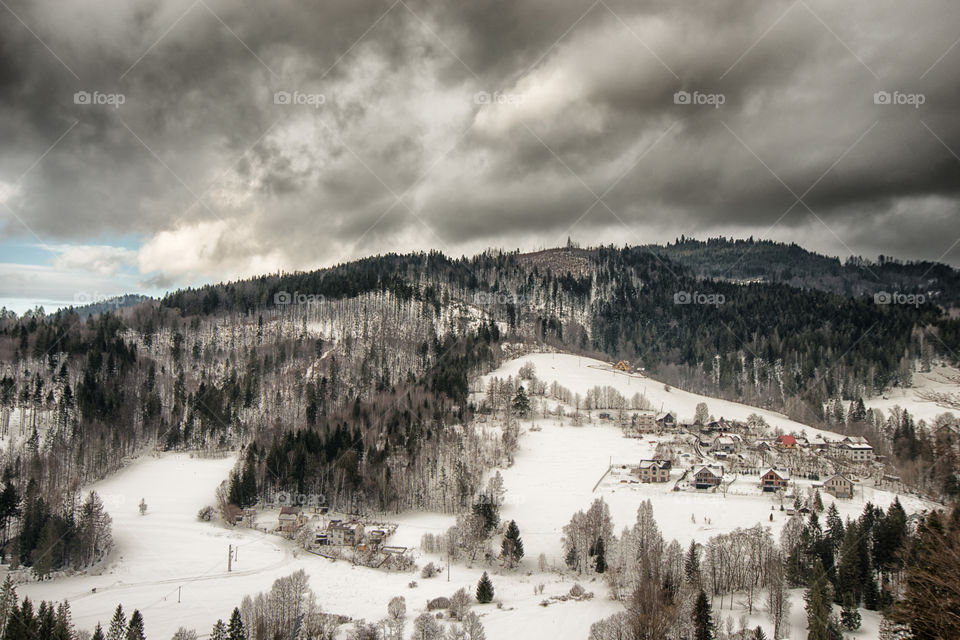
pixel 521 403
pixel 8 601
pixel 758 633
pixel 98 633
pixel 118 625
pixel 135 628
pixel 63 630
pixel 601 554
pixel 235 630
pixel 691 564
pixel 512 547
pixel 850 616
pixel 702 618
pixel 219 631
pixel 821 623
pixel 484 589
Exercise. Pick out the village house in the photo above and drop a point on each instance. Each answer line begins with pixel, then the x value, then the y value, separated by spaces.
pixel 666 420
pixel 773 479
pixel 291 519
pixel 622 365
pixel 645 421
pixel 786 442
pixel 653 470
pixel 345 533
pixel 839 487
pixel 707 476
pixel 724 444
pixel 856 449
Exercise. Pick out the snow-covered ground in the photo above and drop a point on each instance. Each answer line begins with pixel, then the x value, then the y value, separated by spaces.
pixel 921 400
pixel 168 552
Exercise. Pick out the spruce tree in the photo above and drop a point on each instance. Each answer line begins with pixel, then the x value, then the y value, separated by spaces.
pixel 118 625
pixel 135 628
pixel 98 633
pixel 850 616
pixel 600 551
pixel 235 630
pixel 702 618
pixel 512 547
pixel 484 589
pixel 219 631
pixel 821 623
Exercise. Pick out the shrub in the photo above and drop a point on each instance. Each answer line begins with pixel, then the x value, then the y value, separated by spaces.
pixel 429 571
pixel 438 603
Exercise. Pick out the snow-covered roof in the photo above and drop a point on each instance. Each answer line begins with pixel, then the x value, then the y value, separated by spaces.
pixel 783 474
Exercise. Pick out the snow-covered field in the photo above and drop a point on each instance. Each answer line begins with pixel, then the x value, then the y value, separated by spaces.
pixel 169 553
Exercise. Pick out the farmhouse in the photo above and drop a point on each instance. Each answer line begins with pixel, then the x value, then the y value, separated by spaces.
pixel 291 519
pixel 707 476
pixel 773 479
pixel 622 365
pixel 653 470
pixel 839 487
pixel 349 533
pixel 666 420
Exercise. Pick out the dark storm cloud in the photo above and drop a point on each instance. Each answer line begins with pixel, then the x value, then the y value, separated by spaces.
pixel 400 152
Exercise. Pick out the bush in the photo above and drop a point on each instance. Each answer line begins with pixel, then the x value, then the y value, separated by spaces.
pixel 429 571
pixel 438 603
pixel 205 514
pixel 576 591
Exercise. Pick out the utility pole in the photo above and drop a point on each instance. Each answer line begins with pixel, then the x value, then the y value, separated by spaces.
pixel 178 594
pixel 230 559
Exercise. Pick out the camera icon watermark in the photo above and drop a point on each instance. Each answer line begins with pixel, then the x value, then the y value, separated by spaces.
pixel 485 97
pixel 285 298
pixel 899 98
pixel 85 98
pixel 296 98
pixel 714 100
pixel 895 297
pixel 686 297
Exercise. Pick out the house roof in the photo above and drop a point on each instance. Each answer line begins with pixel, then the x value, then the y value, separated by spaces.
pixel 660 464
pixel 783 474
pixel 293 511
pixel 714 471
pixel 840 476
pixel 787 440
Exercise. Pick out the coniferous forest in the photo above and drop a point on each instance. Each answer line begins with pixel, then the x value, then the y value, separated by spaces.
pixel 351 382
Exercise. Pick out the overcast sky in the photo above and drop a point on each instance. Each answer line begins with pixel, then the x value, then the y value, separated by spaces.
pixel 150 144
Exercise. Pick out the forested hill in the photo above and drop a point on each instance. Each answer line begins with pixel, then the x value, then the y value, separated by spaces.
pixel 353 381
pixel 747 260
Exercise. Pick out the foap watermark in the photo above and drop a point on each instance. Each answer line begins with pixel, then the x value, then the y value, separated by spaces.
pixel 296 98
pixel 82 298
pixel 288 499
pixel 496 297
pixel 284 298
pixel 899 98
pixel 685 297
pixel 895 297
pixel 485 97
pixel 714 100
pixel 99 99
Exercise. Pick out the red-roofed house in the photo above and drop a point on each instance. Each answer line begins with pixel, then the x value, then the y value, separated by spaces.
pixel 787 442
